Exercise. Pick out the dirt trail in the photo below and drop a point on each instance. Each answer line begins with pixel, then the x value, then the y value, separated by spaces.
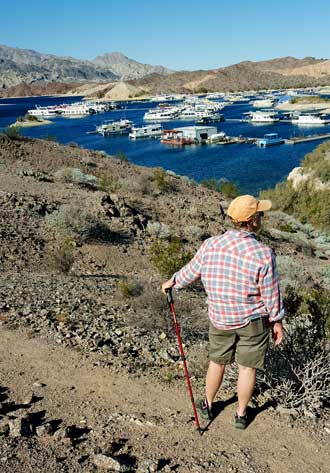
pixel 155 419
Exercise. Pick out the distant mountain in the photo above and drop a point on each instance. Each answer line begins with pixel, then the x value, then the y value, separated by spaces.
pixel 28 66
pixel 127 68
pixel 276 73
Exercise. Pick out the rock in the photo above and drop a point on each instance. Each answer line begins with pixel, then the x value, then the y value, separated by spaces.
pixel 44 429
pixel 19 427
pixel 38 385
pixel 105 462
pixel 285 411
pixel 4 428
pixel 147 466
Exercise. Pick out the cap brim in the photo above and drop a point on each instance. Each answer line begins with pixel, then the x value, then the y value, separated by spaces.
pixel 264 205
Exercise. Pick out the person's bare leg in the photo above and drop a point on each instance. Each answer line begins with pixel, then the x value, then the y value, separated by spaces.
pixel 213 381
pixel 245 386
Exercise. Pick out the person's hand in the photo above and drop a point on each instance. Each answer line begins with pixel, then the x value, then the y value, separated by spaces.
pixel 277 333
pixel 167 285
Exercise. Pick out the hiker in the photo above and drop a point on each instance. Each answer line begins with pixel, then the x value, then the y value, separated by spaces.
pixel 244 301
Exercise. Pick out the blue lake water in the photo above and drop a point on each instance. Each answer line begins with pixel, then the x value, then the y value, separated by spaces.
pixel 251 168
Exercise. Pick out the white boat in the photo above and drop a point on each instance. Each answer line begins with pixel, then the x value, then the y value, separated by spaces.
pixel 217 137
pixel 311 119
pixel 45 112
pixel 118 127
pixel 77 110
pixel 267 116
pixel 159 114
pixel 263 103
pixel 148 131
pixel 270 139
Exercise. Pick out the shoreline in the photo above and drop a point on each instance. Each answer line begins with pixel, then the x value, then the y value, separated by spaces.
pixel 28 123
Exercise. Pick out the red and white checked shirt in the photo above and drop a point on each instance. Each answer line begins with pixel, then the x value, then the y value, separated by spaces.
pixel 240 278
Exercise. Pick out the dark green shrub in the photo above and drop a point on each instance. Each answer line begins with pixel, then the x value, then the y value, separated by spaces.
pixel 130 288
pixel 169 257
pixel 63 255
pixel 13 132
pixel 122 157
pixel 228 189
pixel 162 181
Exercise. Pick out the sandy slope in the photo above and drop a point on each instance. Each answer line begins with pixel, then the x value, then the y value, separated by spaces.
pixel 153 419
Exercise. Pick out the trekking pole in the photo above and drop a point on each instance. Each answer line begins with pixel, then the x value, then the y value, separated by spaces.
pixel 177 330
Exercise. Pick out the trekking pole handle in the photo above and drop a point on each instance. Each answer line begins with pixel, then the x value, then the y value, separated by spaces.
pixel 169 295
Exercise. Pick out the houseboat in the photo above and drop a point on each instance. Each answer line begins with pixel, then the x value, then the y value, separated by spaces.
pixel 161 114
pixel 260 116
pixel 148 131
pixel 115 127
pixel 311 119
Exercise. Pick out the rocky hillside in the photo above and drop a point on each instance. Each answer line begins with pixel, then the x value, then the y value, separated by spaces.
pixel 24 65
pixel 89 361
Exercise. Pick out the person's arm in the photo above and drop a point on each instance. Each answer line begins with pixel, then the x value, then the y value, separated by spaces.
pixel 271 295
pixel 188 274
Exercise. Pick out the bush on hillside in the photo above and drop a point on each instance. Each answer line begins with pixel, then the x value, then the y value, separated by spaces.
pixel 228 189
pixel 169 257
pixel 162 180
pixel 62 257
pixel 306 202
pixel 77 223
pixel 13 132
pixel 76 176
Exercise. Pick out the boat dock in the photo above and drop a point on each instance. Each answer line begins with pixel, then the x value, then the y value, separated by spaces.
pixel 303 139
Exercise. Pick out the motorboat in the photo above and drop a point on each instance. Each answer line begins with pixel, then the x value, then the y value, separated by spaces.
pixel 112 127
pixel 311 119
pixel 270 139
pixel 148 131
pixel 267 116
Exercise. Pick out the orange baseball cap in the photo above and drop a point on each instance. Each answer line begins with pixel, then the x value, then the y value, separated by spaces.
pixel 244 207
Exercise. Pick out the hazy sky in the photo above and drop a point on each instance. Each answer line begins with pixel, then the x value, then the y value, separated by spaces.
pixel 179 34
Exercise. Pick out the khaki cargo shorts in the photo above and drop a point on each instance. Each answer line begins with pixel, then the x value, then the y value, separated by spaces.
pixel 248 343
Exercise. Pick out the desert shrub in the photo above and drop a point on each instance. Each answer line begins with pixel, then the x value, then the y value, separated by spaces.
pixel 139 185
pixel 130 288
pixel 13 132
pixel 122 157
pixel 212 184
pixel 194 231
pixel 160 177
pixel 290 272
pixel 159 229
pixel 75 222
pixel 152 314
pixel 31 118
pixel 228 189
pixel 299 370
pixel 63 255
pixel 73 144
pixel 106 183
pixel 169 257
pixel 306 202
pixel 51 138
pixel 76 176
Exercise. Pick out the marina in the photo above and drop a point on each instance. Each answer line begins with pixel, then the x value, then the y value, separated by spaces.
pixel 250 167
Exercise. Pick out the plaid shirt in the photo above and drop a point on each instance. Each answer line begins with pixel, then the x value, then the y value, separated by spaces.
pixel 240 278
